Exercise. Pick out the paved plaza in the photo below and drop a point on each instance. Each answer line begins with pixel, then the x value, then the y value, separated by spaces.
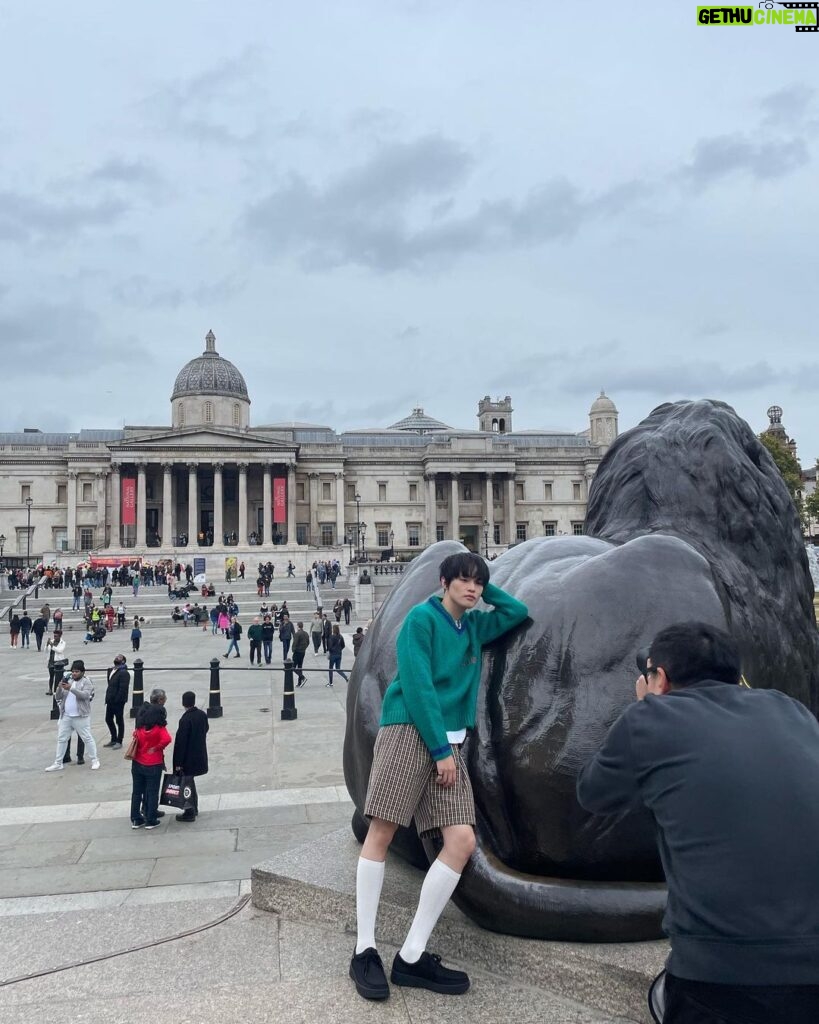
pixel 77 883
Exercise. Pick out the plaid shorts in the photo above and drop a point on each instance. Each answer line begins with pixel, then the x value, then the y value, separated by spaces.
pixel 403 784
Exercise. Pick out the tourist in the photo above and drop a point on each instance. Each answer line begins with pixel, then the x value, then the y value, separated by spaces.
pixel 301 641
pixel 728 776
pixel 316 630
pixel 338 608
pixel 136 635
pixel 147 765
pixel 14 629
pixel 358 640
pixel 268 629
pixel 426 711
pixel 326 632
pixel 347 607
pixel 309 580
pixel 286 632
pixel 73 696
pixel 291 570
pixel 234 634
pixel 335 646
pixel 190 752
pixel 254 635
pixel 25 629
pixel 57 659
pixel 121 616
pixel 116 697
pixel 38 628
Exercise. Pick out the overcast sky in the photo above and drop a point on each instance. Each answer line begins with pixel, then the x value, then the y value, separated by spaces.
pixel 381 205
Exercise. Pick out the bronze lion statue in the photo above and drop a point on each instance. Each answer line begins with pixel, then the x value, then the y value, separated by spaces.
pixel 688 518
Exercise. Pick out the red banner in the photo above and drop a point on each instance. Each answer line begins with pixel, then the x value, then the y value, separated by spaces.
pixel 129 501
pixel 114 561
pixel 279 499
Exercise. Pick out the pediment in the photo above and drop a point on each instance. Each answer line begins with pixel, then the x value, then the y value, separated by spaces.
pixel 197 439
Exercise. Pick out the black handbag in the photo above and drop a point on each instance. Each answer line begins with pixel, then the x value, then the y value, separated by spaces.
pixel 172 793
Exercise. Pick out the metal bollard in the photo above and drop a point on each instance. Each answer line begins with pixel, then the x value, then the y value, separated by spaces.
pixel 215 696
pixel 138 691
pixel 54 677
pixel 289 711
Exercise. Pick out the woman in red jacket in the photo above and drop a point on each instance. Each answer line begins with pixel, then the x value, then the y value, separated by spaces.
pixel 147 766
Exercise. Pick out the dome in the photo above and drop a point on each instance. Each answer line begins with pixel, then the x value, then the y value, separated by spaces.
pixel 602 404
pixel 209 374
pixel 419 422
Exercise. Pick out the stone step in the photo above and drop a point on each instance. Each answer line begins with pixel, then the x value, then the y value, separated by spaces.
pixel 316 882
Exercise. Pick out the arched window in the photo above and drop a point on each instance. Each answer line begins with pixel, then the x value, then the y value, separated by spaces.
pixel 236 414
pixel 495 426
pixel 208 412
pixel 502 426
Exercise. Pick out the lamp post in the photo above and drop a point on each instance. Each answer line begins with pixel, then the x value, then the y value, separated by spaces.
pixel 357 525
pixel 350 542
pixel 363 531
pixel 486 538
pixel 2 545
pixel 29 503
pixel 392 544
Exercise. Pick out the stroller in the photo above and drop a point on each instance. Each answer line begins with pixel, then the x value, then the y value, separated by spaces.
pixel 181 592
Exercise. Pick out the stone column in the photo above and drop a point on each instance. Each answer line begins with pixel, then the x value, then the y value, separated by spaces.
pixel 291 504
pixel 510 509
pixel 489 511
pixel 140 516
pixel 267 500
pixel 314 482
pixel 454 512
pixel 218 504
pixel 116 505
pixel 71 526
pixel 432 516
pixel 193 504
pixel 101 481
pixel 167 504
pixel 339 508
pixel 242 531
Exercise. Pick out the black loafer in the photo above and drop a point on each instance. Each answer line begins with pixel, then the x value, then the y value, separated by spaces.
pixel 429 973
pixel 367 971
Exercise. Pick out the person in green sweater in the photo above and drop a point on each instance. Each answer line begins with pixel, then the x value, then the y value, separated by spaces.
pixel 418 771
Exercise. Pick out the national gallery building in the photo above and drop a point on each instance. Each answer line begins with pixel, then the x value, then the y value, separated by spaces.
pixel 213 481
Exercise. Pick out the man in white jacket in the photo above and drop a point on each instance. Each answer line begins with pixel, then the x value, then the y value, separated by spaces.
pixel 73 697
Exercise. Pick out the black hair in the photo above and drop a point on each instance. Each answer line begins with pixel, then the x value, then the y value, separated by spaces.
pixel 188 699
pixel 79 665
pixel 692 651
pixel 466 565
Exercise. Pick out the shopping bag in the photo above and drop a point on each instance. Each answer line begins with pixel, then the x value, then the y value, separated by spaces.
pixel 172 791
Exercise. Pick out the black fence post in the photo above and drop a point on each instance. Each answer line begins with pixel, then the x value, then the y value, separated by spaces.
pixel 215 696
pixel 54 676
pixel 138 691
pixel 289 711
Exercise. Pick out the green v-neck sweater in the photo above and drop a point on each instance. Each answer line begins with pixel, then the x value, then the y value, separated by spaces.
pixel 439 666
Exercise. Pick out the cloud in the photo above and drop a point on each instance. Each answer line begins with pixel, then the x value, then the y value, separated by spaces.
pixel 49 334
pixel 408 333
pixel 28 219
pixel 792 106
pixel 125 172
pixel 723 155
pixel 140 292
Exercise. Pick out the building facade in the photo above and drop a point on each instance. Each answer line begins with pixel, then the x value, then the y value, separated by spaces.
pixel 211 480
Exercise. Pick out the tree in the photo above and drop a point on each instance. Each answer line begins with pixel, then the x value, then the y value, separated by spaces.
pixel 790 470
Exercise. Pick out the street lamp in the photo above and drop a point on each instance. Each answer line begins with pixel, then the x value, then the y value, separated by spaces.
pixel 350 542
pixel 363 531
pixel 392 544
pixel 357 524
pixel 29 503
pixel 2 544
pixel 486 538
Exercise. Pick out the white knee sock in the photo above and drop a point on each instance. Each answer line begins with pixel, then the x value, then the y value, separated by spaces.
pixel 438 886
pixel 368 882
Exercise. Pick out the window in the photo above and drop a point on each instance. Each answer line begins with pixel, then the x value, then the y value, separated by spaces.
pixel 577 529
pixel 236 414
pixel 576 491
pixel 300 497
pixel 325 490
pixel 149 490
pixel 550 529
pixel 413 492
pixel 350 489
pixel 208 412
pixel 519 492
pixel 496 534
pixel 497 492
pixel 25 492
pixel 87 537
pixel 382 492
pixel 301 531
pixel 547 490
pixel 382 535
pixel 181 414
pixel 86 496
pixel 440 494
pixel 466 490
pixel 22 544
pixel 62 494
pixel 439 532
pixel 327 535
pixel 520 531
pixel 414 535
